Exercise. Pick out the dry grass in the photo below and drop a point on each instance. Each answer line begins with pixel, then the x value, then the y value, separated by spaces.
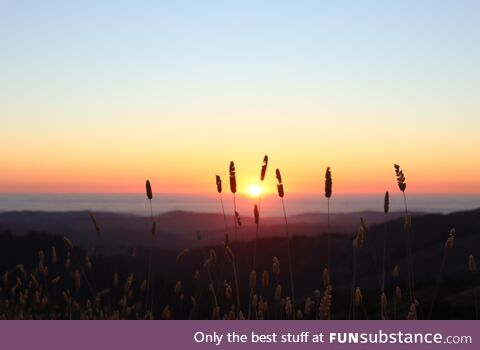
pixel 281 194
pixel 383 298
pixel 446 249
pixel 328 195
pixel 402 185
pixel 150 291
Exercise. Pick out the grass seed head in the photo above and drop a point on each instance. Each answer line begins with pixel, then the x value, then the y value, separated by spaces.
pixel 278 175
pixel 386 202
pixel 358 296
pixel 196 275
pixel 88 263
pixel 278 292
pixel 148 189
pixel 166 313
pixel 178 288
pixel 265 279
pixel 398 293
pixel 383 301
pixel 228 292
pixel 412 312
pixel 359 238
pixel 275 266
pixel 328 183
pixel 280 190
pixel 288 307
pixel 308 306
pixel 68 244
pixel 233 178
pixel 326 278
pixel 449 242
pixel 252 280
pixel 218 181
pixel 396 272
pixel 402 185
pixel 364 225
pixel 95 223
pixel 228 253
pixel 326 303
pixel 472 264
pixel 182 255
pixel 264 168
pixel 237 217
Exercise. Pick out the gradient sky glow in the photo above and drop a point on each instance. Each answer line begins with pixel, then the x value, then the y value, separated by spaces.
pixel 97 96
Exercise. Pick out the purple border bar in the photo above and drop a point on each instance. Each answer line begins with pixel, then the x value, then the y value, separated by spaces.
pixel 145 335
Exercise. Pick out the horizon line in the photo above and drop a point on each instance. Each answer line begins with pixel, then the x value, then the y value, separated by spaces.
pixel 268 194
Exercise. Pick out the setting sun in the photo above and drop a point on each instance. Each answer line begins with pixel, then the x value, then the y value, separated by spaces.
pixel 254 190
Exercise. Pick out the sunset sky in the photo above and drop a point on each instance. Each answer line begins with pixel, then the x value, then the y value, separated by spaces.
pixel 97 96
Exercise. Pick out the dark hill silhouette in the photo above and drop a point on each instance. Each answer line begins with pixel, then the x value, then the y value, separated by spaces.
pixel 175 228
pixel 455 293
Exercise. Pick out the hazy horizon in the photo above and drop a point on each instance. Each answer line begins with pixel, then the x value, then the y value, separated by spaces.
pixel 136 203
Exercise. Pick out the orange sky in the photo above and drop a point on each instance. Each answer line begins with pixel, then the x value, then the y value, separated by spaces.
pixel 181 159
pixel 195 174
pixel 91 105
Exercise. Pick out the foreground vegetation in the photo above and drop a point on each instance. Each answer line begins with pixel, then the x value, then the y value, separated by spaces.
pixel 330 276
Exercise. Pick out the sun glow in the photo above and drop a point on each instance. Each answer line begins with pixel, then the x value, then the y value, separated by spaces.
pixel 254 190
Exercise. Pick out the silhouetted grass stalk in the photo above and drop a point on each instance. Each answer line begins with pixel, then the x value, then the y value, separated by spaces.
pixel 219 191
pixel 71 248
pixel 402 185
pixel 281 194
pixel 231 259
pixel 234 257
pixel 210 261
pixel 351 310
pixel 357 244
pixel 149 291
pixel 256 214
pixel 218 181
pixel 446 249
pixel 472 268
pixel 328 194
pixel 383 306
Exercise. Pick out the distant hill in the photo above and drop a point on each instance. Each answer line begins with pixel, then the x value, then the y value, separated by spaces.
pixel 176 228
